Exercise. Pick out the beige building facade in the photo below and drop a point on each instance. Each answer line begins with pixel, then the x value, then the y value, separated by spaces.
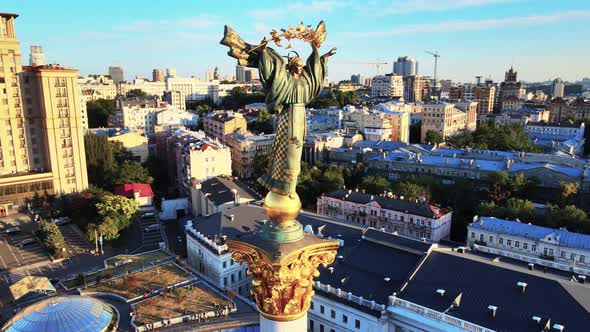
pixel 448 119
pixel 387 86
pixel 218 124
pixel 244 149
pixel 41 130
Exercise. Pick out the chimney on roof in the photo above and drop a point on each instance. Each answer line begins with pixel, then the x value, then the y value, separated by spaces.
pixel 522 285
pixel 582 279
pixel 236 197
pixel 372 197
pixel 492 310
pixel 531 266
pixel 558 327
pixel 537 319
pixel 331 269
pixel 441 292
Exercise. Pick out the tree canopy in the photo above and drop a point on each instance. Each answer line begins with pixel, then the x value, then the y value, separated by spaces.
pixel 136 93
pixel 489 136
pixel 433 137
pixel 99 112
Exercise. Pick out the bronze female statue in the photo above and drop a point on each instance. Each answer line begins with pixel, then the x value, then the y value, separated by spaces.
pixel 289 87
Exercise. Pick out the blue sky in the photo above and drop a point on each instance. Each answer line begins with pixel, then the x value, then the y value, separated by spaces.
pixel 543 38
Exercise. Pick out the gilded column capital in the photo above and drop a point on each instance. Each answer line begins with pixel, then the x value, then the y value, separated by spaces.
pixel 283 288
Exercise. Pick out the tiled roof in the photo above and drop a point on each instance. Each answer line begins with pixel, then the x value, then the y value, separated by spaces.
pixel 127 190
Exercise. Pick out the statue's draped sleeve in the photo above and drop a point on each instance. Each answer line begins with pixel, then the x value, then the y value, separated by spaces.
pixel 314 74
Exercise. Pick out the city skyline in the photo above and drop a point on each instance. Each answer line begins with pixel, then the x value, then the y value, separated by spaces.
pixel 467 34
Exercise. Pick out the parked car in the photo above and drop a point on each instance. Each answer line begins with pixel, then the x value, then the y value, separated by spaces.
pixel 148 215
pixel 62 221
pixel 151 228
pixel 11 230
pixel 120 262
pixel 26 242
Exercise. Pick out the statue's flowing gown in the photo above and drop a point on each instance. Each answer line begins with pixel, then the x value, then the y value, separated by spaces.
pixel 287 96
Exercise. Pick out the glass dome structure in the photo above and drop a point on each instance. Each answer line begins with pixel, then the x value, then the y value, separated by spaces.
pixel 62 314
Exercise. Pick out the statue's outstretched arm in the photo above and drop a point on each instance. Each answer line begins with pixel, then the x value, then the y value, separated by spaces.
pixel 246 54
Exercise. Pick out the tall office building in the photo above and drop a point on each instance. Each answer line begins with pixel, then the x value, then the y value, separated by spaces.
pixel 240 73
pixel 405 66
pixel 116 74
pixel 158 75
pixel 557 89
pixel 249 75
pixel 208 75
pixel 36 58
pixel 216 74
pixel 357 79
pixel 41 140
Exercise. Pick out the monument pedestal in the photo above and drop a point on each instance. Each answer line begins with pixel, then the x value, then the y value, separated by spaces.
pixel 283 261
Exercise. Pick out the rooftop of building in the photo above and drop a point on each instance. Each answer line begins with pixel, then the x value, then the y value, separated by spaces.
pixel 48 67
pixel 554 124
pixel 390 203
pixel 223 116
pixel 478 164
pixel 375 264
pixel 560 236
pixel 220 190
pixel 484 283
pixel 379 145
pixel 129 189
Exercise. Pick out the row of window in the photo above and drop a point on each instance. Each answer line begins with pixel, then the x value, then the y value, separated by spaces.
pixel 344 318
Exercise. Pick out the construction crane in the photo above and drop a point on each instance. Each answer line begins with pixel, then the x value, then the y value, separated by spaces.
pixel 436 56
pixel 376 64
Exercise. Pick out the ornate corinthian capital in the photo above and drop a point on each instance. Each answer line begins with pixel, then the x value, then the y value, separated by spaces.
pixel 283 288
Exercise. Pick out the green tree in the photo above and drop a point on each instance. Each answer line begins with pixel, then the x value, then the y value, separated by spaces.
pixel 568 192
pixel 100 161
pixel 263 124
pixel 108 228
pixel 260 164
pixel 513 208
pixel 133 93
pixel 494 137
pixel 120 209
pixel 433 137
pixel 99 112
pixel 410 191
pixel 132 172
pixel 375 184
pixel 51 238
pixel 569 216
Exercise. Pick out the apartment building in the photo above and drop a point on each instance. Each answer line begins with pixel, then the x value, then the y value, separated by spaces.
pixel 374 126
pixel 418 220
pixel 485 98
pixel 387 86
pixel 554 245
pixel 448 119
pixel 41 130
pixel 98 87
pixel 245 148
pixel 217 194
pixel 218 124
pixel 198 158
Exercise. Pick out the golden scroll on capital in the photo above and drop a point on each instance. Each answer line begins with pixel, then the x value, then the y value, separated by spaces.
pixel 283 289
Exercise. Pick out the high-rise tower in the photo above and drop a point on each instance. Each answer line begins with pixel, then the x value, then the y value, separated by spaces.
pixel 41 131
pixel 37 58
pixel 405 66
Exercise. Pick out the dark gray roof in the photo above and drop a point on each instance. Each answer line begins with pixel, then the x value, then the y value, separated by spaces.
pixel 483 284
pixel 370 256
pixel 219 190
pixel 396 241
pixel 249 218
pixel 423 210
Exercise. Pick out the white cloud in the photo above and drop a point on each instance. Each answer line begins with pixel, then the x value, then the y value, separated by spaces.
pixel 298 9
pixel 412 6
pixel 486 24
pixel 197 22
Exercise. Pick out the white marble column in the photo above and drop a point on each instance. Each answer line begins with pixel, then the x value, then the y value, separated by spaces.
pixel 298 325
